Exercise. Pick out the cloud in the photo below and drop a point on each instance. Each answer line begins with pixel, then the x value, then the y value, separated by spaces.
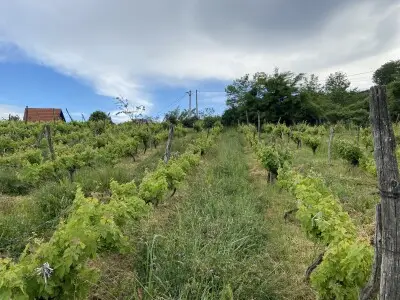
pixel 123 47
pixel 6 110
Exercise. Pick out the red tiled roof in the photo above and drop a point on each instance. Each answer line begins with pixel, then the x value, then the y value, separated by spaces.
pixel 43 114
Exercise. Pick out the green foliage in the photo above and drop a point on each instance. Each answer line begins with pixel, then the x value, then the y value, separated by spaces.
pixel 291 98
pixel 280 130
pixel 271 157
pixel 312 141
pixel 198 125
pixel 92 227
pixel 88 226
pixel 267 128
pixel 387 73
pixel 368 164
pixel 174 173
pixel 99 116
pixel 153 187
pixel 366 138
pixel 180 131
pixel 296 136
pixel 6 145
pixel 53 200
pixel 347 261
pixel 144 136
pixel 11 183
pixel 349 151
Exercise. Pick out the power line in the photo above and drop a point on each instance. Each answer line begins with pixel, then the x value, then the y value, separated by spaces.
pixel 360 73
pixel 173 103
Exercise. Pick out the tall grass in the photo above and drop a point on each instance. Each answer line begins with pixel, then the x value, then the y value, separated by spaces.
pixel 214 244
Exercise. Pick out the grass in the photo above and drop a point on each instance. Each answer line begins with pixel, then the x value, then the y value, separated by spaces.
pixel 218 238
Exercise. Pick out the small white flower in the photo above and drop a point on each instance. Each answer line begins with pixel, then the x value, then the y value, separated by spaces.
pixel 45 270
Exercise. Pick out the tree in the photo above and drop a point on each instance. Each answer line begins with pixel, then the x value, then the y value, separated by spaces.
pixel 125 107
pixel 291 98
pixel 387 73
pixel 337 81
pixel 99 115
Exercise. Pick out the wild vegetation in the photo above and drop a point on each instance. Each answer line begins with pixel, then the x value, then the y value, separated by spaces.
pixel 294 98
pixel 55 263
pixel 281 206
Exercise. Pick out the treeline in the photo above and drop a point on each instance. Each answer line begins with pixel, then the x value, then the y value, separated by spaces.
pixel 291 98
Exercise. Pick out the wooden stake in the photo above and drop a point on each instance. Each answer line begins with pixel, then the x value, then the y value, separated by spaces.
pixel 331 132
pixel 49 141
pixel 370 291
pixel 389 187
pixel 169 143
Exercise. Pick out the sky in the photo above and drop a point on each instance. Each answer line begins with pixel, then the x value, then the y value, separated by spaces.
pixel 80 55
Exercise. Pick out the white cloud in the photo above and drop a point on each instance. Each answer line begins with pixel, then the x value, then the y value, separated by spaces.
pixel 6 110
pixel 123 47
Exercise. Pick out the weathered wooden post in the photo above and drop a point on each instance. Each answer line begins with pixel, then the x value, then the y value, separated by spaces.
pixel 259 125
pixel 26 114
pixel 247 117
pixel 50 141
pixel 331 132
pixel 169 143
pixel 389 210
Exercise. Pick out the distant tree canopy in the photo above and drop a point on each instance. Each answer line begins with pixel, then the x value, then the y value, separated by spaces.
pixel 99 115
pixel 188 119
pixel 387 73
pixel 291 98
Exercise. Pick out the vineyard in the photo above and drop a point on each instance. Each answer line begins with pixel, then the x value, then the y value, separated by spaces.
pixel 91 210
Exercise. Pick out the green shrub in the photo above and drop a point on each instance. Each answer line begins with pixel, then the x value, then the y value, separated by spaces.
pixel 267 128
pixel 312 141
pixel 272 159
pixel 296 136
pixel 53 199
pixel 11 184
pixel 198 125
pixel 98 179
pixel 349 151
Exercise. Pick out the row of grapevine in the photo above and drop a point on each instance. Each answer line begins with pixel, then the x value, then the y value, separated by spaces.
pixel 60 268
pixel 75 150
pixel 347 259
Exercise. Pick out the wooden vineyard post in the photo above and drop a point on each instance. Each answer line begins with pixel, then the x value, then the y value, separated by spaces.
pixel 331 132
pixel 389 187
pixel 372 288
pixel 247 118
pixel 50 141
pixel 169 143
pixel 259 125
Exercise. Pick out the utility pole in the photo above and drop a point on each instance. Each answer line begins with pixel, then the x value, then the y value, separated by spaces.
pixel 197 107
pixel 190 102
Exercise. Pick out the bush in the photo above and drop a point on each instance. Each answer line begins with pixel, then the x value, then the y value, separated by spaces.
pixel 296 137
pixel 272 159
pixel 267 128
pixel 11 184
pixel 349 151
pixel 312 141
pixel 98 180
pixel 53 199
pixel 198 125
